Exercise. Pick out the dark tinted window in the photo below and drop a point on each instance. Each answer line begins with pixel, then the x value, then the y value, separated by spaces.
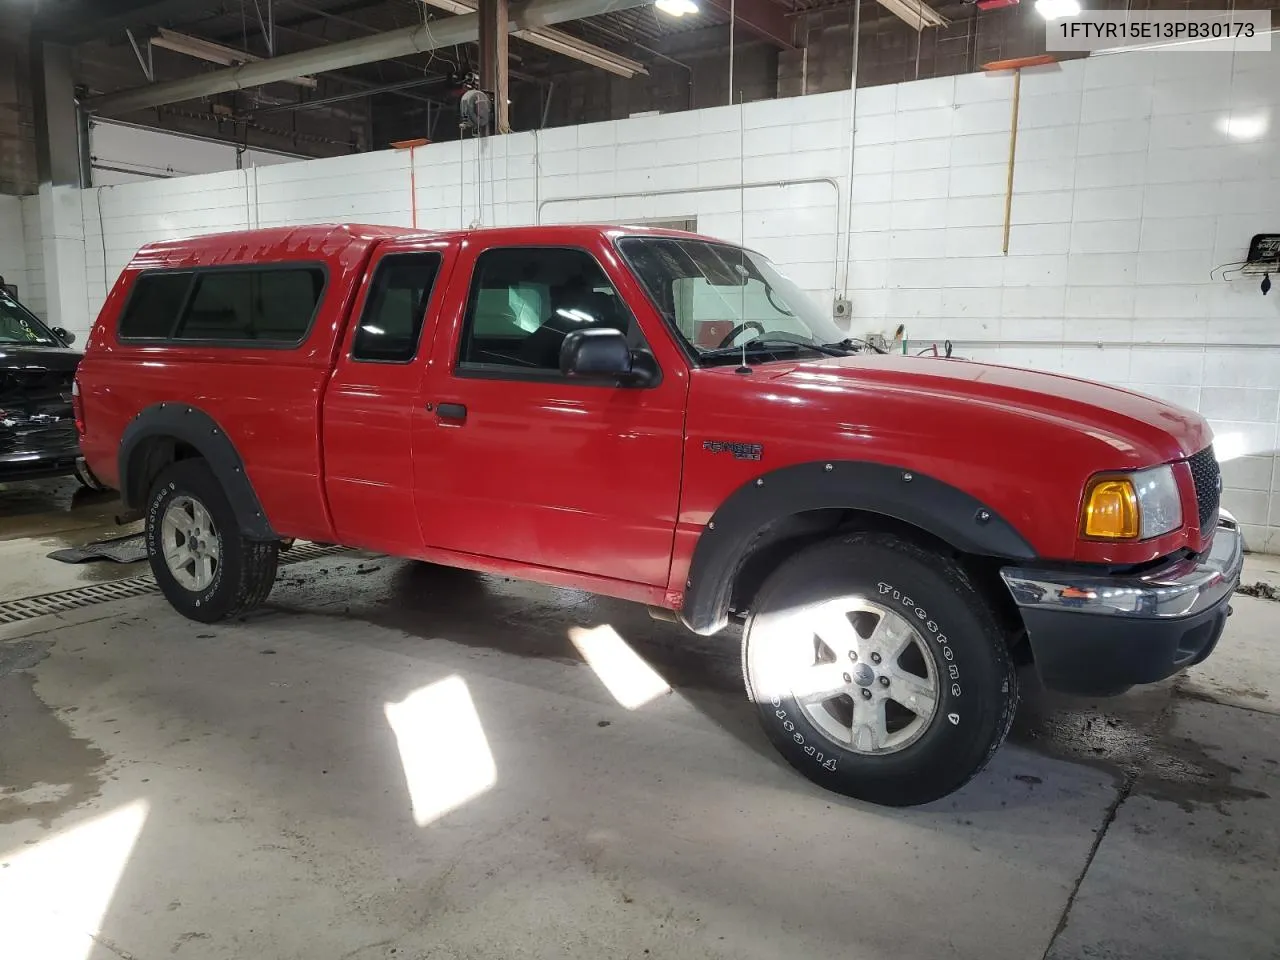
pixel 268 306
pixel 153 306
pixel 525 301
pixel 391 322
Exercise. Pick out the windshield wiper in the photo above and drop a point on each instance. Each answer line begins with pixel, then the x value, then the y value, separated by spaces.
pixel 759 345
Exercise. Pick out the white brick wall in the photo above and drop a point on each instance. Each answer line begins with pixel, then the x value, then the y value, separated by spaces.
pixel 1128 191
pixel 127 153
pixel 32 290
pixel 13 250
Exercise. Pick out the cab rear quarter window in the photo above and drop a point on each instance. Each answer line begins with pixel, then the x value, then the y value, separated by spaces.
pixel 271 306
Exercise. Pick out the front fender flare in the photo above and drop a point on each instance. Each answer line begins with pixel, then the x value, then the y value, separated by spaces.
pixel 198 430
pixel 744 519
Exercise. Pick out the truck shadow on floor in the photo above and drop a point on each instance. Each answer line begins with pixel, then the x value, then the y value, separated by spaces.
pixel 529 620
pixel 526 620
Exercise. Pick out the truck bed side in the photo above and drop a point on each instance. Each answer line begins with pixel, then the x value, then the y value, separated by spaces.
pixel 266 399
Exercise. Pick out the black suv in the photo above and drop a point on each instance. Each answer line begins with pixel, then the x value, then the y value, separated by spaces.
pixel 37 426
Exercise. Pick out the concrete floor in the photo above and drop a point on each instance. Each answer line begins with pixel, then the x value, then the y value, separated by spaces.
pixel 399 761
pixel 38 518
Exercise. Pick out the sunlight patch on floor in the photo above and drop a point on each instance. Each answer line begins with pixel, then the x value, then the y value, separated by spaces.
pixel 624 672
pixel 54 895
pixel 443 749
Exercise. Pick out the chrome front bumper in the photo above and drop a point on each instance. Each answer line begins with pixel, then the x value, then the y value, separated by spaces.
pixel 1181 589
pixel 1098 635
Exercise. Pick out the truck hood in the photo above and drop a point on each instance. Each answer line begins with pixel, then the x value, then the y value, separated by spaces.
pixel 1141 429
pixel 14 356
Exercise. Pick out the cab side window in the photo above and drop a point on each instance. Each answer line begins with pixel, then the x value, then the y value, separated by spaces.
pixel 525 300
pixel 392 319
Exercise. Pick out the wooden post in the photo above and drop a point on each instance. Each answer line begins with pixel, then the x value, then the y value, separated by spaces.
pixel 493 59
pixel 1013 149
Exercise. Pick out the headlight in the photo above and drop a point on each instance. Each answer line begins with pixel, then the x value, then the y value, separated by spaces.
pixel 1131 506
pixel 1159 502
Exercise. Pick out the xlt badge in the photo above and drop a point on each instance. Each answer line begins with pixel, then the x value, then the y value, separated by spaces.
pixel 740 451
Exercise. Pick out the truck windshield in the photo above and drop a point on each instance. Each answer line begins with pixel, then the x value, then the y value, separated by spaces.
pixel 19 326
pixel 727 303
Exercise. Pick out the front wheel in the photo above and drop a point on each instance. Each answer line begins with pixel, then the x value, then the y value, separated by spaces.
pixel 206 568
pixel 878 670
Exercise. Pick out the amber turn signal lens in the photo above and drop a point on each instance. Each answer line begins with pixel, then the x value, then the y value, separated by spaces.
pixel 1110 511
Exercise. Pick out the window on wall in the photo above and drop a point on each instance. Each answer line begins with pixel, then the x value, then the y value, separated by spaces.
pixel 152 310
pixel 272 306
pixel 524 301
pixel 391 323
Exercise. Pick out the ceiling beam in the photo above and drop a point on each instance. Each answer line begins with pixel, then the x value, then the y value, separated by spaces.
pixel 212 52
pixel 764 18
pixel 400 87
pixel 406 41
pixel 557 41
pixel 289 27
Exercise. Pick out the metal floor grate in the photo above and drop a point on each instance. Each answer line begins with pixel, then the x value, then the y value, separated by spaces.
pixel 28 608
pixel 12 611
pixel 310 551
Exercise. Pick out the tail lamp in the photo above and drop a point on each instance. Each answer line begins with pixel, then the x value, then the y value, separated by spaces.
pixel 77 407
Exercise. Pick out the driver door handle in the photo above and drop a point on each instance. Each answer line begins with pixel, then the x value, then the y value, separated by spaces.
pixel 451 411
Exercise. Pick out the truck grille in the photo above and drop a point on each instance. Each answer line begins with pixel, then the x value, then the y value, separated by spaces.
pixel 47 436
pixel 1207 476
pixel 35 412
pixel 35 389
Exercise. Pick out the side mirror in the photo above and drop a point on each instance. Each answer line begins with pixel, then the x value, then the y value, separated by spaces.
pixel 601 354
pixel 66 336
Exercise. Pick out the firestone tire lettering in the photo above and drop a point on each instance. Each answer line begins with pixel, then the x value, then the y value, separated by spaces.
pixel 247 568
pixel 976 684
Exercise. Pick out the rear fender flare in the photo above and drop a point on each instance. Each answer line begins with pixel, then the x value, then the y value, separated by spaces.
pixel 744 520
pixel 195 428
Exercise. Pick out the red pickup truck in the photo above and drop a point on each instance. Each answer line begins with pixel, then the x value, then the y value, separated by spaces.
pixel 664 418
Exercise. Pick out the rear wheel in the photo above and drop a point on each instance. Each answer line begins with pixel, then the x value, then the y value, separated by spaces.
pixel 207 569
pixel 878 670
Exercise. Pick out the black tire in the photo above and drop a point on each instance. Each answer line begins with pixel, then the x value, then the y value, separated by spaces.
pixel 246 569
pixel 977 688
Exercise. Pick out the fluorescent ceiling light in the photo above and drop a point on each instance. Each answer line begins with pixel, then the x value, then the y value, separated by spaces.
pixel 570 46
pixel 1057 9
pixel 676 8
pixel 213 52
pixel 557 41
pixel 914 13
